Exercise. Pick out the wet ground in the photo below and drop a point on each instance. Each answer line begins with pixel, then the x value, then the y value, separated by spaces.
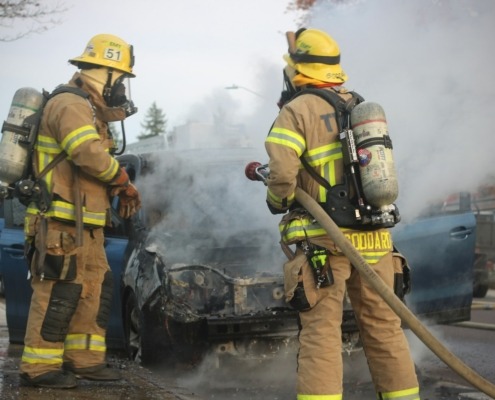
pixel 137 382
pixel 266 379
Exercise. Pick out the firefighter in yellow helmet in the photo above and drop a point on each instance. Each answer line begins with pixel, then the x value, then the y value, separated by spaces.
pixel 304 151
pixel 70 276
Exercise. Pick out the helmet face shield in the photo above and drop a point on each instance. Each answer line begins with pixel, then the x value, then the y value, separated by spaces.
pixel 120 95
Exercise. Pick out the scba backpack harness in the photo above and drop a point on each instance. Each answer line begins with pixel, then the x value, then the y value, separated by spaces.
pixel 364 200
pixel 20 133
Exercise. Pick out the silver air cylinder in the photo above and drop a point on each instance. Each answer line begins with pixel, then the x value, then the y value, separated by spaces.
pixel 17 135
pixel 374 148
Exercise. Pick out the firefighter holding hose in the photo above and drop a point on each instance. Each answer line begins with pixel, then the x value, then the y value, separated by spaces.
pixel 310 146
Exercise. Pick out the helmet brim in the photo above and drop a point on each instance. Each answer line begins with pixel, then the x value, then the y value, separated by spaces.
pixel 76 60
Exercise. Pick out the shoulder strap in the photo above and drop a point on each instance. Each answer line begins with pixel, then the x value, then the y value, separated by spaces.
pixel 314 174
pixel 343 110
pixel 342 107
pixel 68 89
pixel 60 89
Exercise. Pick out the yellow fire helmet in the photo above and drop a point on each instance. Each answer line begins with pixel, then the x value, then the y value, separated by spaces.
pixel 108 51
pixel 316 54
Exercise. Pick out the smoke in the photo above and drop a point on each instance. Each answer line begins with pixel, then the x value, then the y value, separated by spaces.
pixel 270 379
pixel 203 209
pixel 428 64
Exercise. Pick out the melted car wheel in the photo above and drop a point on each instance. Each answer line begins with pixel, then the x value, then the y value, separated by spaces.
pixel 140 340
pixel 133 328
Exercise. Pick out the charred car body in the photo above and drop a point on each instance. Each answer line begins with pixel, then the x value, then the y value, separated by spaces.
pixel 199 267
pixel 204 273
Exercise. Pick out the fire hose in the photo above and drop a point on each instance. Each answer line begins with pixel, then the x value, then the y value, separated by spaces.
pixel 367 274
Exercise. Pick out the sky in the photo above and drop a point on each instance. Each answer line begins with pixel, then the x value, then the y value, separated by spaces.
pixel 185 51
pixel 427 62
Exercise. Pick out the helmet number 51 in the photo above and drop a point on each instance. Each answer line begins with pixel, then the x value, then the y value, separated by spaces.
pixel 112 54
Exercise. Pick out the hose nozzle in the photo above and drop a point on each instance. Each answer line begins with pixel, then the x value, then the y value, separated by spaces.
pixel 256 171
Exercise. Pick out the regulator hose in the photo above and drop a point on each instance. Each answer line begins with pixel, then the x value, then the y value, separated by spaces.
pixel 390 298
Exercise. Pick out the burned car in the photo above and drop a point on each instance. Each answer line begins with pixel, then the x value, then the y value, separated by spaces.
pixel 204 273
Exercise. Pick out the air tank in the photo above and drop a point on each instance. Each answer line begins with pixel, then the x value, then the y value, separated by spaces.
pixel 374 150
pixel 17 136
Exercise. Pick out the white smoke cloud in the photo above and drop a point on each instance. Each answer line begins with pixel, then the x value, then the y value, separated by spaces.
pixel 429 64
pixel 426 62
pixel 204 209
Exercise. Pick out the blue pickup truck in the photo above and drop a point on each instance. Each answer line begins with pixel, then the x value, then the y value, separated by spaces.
pixel 175 285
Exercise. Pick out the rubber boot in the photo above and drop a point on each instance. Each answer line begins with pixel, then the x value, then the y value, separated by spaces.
pixel 101 372
pixel 52 379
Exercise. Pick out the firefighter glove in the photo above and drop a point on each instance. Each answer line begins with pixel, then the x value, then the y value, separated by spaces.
pixel 121 178
pixel 130 201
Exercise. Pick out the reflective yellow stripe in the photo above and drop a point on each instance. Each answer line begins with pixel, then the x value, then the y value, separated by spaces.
pixel 287 138
pixel 33 355
pixel 407 394
pixel 110 172
pixel 300 229
pixel 63 210
pixel 276 201
pixel 328 173
pixel 324 154
pixel 371 245
pixel 319 397
pixel 373 258
pixel 48 145
pixel 77 137
pixel 82 341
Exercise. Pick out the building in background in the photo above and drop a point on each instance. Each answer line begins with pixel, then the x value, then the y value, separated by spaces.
pixel 194 135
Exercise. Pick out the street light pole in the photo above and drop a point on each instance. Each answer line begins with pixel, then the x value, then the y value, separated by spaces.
pixel 234 86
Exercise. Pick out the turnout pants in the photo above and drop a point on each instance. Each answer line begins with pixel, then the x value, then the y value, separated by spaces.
pixel 68 315
pixel 320 365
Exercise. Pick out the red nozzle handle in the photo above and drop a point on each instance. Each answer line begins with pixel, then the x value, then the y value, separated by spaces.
pixel 250 170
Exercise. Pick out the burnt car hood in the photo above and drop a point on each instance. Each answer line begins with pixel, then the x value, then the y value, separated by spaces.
pixel 210 276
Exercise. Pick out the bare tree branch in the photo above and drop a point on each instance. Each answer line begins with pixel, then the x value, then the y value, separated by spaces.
pixel 40 17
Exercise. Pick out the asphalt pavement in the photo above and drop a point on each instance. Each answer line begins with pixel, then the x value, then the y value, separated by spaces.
pixel 136 383
pixel 475 345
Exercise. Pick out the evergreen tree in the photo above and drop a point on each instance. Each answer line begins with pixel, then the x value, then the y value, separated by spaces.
pixel 155 123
